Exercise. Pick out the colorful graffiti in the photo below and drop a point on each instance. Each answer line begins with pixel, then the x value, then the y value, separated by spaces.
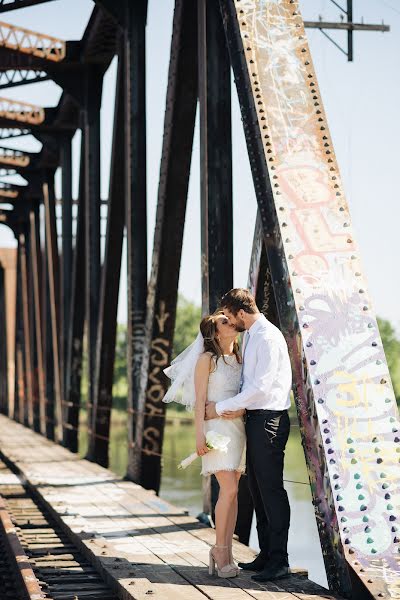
pixel 357 430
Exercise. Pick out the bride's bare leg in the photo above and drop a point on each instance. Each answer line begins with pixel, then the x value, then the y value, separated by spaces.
pixel 223 515
pixel 232 524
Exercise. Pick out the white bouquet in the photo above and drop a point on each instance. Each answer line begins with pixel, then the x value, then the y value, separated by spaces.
pixel 214 441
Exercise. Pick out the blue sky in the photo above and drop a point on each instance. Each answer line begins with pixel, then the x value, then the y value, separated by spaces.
pixel 361 100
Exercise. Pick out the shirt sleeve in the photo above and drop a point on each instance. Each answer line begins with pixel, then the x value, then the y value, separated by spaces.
pixel 267 360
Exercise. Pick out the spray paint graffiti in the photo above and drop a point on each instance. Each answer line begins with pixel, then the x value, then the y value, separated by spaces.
pixel 349 414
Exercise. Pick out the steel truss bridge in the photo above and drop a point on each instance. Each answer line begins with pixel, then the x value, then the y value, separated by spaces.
pixel 305 268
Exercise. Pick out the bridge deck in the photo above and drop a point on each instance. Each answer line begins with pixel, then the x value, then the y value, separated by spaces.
pixel 142 545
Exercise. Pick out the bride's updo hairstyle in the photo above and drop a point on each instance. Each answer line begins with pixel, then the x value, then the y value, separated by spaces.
pixel 208 328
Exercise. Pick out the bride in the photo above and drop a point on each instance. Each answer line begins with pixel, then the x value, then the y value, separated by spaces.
pixel 210 370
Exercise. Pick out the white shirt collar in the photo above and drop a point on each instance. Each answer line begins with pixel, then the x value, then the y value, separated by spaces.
pixel 257 324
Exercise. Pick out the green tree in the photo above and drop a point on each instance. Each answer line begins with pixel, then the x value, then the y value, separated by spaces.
pixel 188 317
pixel 391 345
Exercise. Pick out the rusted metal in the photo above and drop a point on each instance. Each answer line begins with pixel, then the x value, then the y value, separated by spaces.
pixel 136 211
pixel 215 174
pixel 107 327
pixel 179 122
pixel 66 252
pixel 73 363
pixel 8 193
pixel 53 272
pixel 20 562
pixel 35 255
pixel 26 310
pixel 31 42
pixel 23 112
pixel 3 347
pixel 93 82
pixel 15 158
pixel 321 296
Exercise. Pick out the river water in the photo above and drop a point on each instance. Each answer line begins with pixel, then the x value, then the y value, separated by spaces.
pixel 183 488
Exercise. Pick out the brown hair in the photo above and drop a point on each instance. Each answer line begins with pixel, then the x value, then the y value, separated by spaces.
pixel 239 299
pixel 208 328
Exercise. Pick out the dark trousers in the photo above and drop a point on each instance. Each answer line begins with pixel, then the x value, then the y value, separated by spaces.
pixel 267 432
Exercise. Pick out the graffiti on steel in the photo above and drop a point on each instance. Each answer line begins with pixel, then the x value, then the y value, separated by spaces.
pixel 346 367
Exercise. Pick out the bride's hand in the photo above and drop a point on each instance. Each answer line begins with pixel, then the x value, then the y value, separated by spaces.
pixel 201 446
pixel 233 414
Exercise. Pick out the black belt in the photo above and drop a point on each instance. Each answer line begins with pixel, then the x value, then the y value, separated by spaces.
pixel 264 411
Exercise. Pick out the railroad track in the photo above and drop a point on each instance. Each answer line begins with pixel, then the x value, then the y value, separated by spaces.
pixel 46 552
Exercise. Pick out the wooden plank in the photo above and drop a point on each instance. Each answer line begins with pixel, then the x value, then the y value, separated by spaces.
pixel 141 544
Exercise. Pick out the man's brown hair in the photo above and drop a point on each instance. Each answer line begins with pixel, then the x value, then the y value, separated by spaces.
pixel 239 299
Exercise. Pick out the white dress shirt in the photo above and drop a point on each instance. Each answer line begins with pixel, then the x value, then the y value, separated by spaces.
pixel 266 375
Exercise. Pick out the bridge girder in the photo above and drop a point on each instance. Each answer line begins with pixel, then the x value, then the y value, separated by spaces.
pixel 32 43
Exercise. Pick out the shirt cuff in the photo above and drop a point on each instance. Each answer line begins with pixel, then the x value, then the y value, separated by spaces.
pixel 219 407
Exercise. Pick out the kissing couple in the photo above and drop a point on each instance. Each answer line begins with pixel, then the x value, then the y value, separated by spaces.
pixel 243 396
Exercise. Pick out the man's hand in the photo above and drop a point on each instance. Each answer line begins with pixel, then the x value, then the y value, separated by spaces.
pixel 233 414
pixel 211 413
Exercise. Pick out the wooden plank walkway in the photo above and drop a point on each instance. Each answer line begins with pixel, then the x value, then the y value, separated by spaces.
pixel 141 544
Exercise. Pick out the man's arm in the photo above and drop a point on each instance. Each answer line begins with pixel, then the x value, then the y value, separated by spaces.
pixel 267 359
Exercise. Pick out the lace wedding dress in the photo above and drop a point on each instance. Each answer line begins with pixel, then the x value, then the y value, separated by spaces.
pixel 224 383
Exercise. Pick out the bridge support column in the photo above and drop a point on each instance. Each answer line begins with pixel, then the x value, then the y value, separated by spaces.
pixel 23 247
pixel 66 262
pixel 136 217
pixel 215 173
pixel 53 283
pixel 179 124
pixel 107 326
pixel 93 82
pixel 3 345
pixel 35 265
pixel 73 362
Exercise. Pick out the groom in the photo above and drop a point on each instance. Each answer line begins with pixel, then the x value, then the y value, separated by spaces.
pixel 264 393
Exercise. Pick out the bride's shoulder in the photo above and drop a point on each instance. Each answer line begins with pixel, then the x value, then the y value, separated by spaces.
pixel 205 361
pixel 204 358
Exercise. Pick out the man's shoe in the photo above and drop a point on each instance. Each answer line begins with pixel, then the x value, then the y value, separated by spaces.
pixel 258 564
pixel 271 573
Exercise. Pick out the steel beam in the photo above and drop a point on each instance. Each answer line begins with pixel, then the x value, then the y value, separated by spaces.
pixel 47 340
pixel 3 346
pixel 35 254
pixel 215 173
pixel 180 113
pixel 6 5
pixel 215 157
pixel 15 77
pixel 77 320
pixel 31 43
pixel 23 243
pixel 66 256
pixel 19 392
pixel 107 327
pixel 342 387
pixel 136 216
pixel 53 280
pixel 93 82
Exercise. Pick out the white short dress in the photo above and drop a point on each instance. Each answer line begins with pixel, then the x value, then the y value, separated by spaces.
pixel 224 383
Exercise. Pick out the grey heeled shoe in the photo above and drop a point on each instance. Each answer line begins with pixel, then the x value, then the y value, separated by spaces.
pixel 226 571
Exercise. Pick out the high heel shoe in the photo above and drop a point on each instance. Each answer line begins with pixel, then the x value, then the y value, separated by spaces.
pixel 226 571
